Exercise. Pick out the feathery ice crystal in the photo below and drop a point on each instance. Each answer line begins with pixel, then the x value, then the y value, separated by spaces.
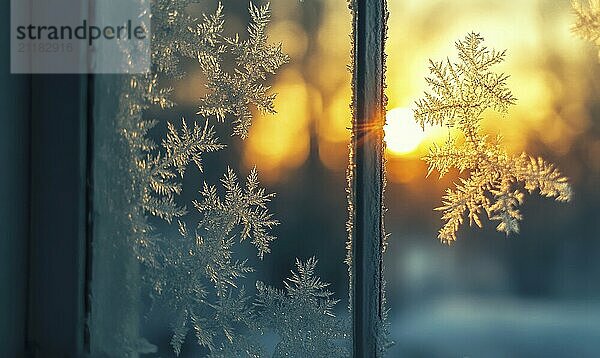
pixel 195 274
pixel 460 94
pixel 587 21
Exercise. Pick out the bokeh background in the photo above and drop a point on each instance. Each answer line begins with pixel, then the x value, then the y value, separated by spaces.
pixel 532 294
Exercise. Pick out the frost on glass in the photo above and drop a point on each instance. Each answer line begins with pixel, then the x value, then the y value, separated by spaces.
pixel 193 270
pixel 460 94
pixel 302 315
pixel 587 21
pixel 196 274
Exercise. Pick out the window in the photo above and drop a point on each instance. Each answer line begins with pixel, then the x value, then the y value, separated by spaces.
pixel 205 208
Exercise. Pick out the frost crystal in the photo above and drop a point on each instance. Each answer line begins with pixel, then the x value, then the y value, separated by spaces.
pixel 195 274
pixel 180 150
pixel 302 316
pixel 461 93
pixel 232 93
pixel 245 207
pixel 587 23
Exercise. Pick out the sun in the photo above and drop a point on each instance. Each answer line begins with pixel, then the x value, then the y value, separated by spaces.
pixel 402 134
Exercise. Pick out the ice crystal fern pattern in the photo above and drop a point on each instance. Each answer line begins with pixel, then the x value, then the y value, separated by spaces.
pixel 230 93
pixel 587 21
pixel 195 273
pixel 460 94
pixel 233 93
pixel 302 316
pixel 198 276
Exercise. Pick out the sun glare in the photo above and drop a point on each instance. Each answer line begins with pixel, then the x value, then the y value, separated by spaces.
pixel 402 134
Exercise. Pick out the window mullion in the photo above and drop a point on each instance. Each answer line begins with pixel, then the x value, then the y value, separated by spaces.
pixel 368 183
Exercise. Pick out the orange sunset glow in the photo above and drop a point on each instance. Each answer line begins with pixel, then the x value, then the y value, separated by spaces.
pixel 313 103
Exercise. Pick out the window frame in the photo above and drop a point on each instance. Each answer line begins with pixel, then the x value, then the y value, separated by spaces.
pixel 368 235
pixel 44 235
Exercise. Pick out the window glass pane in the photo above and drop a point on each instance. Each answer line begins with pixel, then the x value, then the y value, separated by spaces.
pixel 535 292
pixel 168 280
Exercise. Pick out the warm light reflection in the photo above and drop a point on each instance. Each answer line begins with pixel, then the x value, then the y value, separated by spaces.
pixel 278 143
pixel 546 63
pixel 402 134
